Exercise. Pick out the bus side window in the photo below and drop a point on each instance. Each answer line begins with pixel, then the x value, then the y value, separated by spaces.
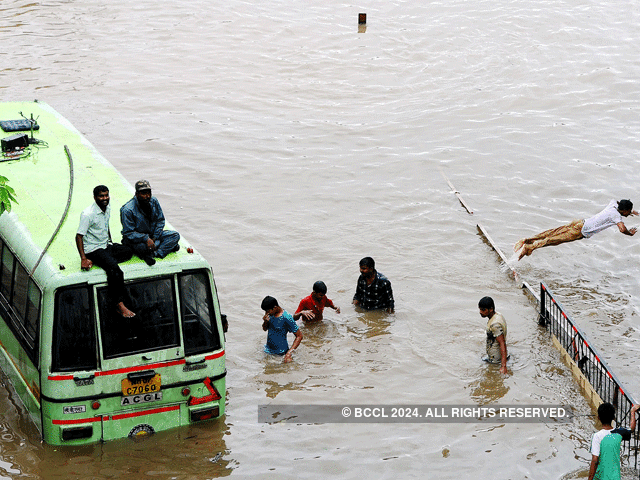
pixel 74 337
pixel 20 302
pixel 199 325
pixel 19 296
pixel 7 272
pixel 33 308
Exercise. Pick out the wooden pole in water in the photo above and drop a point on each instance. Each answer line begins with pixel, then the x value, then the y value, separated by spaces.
pixel 457 193
pixel 362 19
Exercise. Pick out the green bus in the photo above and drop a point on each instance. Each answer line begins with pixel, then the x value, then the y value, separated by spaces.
pixel 83 372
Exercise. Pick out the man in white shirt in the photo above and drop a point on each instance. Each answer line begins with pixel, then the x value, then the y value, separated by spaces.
pixel 610 216
pixel 93 240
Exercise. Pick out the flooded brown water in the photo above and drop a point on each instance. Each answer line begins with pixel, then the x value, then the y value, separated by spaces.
pixel 285 146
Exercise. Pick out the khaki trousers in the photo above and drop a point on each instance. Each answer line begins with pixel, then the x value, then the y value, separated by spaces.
pixel 553 236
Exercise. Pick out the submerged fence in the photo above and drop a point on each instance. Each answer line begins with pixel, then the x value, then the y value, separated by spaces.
pixel 586 361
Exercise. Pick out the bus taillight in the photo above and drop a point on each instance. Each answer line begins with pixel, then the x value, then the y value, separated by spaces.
pixel 204 414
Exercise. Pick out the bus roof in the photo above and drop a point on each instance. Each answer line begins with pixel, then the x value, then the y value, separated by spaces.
pixel 42 181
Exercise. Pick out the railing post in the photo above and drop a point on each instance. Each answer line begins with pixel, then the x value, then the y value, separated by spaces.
pixel 543 309
pixel 542 306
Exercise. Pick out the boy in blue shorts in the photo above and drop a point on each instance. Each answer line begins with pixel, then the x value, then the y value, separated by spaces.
pixel 605 445
pixel 277 322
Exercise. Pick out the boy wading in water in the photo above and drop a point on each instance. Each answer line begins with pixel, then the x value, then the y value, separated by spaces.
pixel 278 322
pixel 312 307
pixel 605 444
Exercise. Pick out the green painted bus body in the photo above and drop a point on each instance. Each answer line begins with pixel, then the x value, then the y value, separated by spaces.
pixel 85 405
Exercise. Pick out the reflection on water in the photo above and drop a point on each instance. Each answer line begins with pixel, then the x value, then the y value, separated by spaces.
pixel 273 388
pixel 318 334
pixel 170 454
pixel 20 445
pixel 373 323
pixel 490 387
pixel 626 473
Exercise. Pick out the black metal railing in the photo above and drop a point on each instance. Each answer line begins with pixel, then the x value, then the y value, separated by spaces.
pixel 603 381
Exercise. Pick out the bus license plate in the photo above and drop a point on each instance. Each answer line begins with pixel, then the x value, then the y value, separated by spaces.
pixel 142 398
pixel 141 387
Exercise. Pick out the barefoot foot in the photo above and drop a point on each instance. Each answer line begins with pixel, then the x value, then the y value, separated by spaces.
pixel 124 311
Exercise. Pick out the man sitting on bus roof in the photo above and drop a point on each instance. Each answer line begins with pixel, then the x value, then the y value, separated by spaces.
pixel 143 226
pixel 93 240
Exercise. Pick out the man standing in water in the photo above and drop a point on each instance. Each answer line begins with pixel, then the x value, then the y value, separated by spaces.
pixel 496 333
pixel 373 291
pixel 610 216
pixel 95 247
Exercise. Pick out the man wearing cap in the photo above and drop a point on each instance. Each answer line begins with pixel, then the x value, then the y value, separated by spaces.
pixel 143 226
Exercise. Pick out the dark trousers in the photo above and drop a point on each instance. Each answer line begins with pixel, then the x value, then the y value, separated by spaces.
pixel 108 259
pixel 164 245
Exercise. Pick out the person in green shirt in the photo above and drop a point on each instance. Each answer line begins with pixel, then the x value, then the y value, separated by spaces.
pixel 605 444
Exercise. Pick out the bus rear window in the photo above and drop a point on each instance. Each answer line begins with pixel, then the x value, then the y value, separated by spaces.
pixel 154 327
pixel 198 317
pixel 74 336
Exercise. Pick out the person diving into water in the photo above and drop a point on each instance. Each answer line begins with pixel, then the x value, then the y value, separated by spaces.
pixel 578 229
